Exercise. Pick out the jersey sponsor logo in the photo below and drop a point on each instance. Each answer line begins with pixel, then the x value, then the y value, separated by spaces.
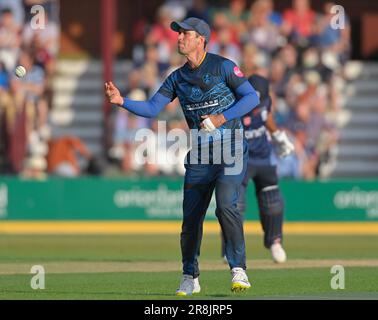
pixel 256 133
pixel 202 105
pixel 207 79
pixel 238 72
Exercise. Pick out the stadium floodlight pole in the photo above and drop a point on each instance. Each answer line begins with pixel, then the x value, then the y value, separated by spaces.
pixel 108 26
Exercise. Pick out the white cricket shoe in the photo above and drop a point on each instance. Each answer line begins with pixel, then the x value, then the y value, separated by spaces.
pixel 278 253
pixel 239 280
pixel 188 286
pixel 197 287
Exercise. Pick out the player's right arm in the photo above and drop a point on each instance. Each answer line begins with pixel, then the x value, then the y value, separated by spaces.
pixel 147 109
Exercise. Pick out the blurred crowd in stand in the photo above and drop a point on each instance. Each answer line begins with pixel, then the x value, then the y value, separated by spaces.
pixel 299 50
pixel 28 37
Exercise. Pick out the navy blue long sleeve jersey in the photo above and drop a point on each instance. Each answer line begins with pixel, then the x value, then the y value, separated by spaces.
pixel 255 131
pixel 216 86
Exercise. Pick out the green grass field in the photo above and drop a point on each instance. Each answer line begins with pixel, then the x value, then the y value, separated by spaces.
pixel 148 267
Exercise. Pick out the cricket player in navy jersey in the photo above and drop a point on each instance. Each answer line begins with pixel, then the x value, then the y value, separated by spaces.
pixel 214 95
pixel 262 168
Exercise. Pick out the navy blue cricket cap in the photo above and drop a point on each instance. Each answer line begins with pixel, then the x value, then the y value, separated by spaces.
pixel 261 85
pixel 195 24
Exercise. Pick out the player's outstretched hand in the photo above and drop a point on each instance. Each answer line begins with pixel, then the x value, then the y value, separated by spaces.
pixel 212 122
pixel 113 94
pixel 283 144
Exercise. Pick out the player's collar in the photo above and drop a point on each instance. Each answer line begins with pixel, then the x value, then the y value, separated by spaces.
pixel 202 60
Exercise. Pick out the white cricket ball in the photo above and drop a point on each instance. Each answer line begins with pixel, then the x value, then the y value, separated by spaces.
pixel 20 71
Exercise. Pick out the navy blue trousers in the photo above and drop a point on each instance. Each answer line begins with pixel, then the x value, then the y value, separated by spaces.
pixel 200 182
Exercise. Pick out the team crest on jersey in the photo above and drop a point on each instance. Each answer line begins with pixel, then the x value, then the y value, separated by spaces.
pixel 207 78
pixel 238 72
pixel 196 93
